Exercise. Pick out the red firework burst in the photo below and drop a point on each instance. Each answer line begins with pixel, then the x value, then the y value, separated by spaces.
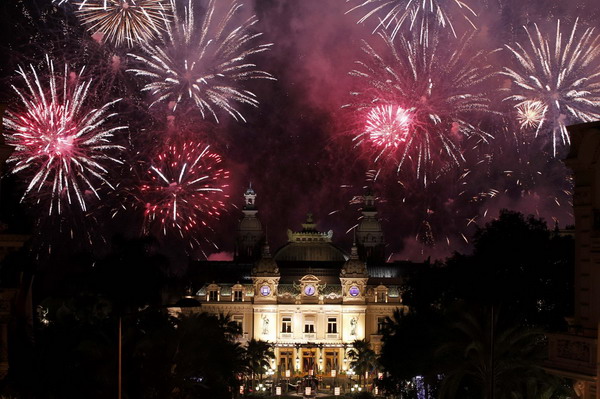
pixel 183 189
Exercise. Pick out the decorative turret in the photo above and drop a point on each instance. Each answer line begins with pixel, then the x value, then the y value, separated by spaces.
pixel 265 277
pixel 250 235
pixel 354 277
pixel 369 234
pixel 266 266
pixel 354 267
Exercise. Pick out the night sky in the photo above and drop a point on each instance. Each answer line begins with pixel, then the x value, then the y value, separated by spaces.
pixel 296 147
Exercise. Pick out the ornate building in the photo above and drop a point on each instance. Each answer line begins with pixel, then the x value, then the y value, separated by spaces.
pixel 310 298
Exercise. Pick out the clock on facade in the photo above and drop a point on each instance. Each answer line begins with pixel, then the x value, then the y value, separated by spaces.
pixel 354 291
pixel 309 290
pixel 265 290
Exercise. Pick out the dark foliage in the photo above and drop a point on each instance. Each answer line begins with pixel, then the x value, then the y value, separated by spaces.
pixel 478 320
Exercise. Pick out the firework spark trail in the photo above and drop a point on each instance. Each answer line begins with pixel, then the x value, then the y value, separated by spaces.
pixel 555 81
pixel 203 62
pixel 436 88
pixel 125 21
pixel 183 190
pixel 424 16
pixel 65 145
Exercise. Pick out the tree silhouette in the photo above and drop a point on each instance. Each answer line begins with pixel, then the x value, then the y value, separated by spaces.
pixel 484 358
pixel 258 357
pixel 362 358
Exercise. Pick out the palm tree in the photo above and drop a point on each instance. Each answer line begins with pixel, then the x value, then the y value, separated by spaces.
pixel 488 361
pixel 362 358
pixel 205 361
pixel 258 357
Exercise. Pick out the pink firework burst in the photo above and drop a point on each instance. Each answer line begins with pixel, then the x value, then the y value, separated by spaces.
pixel 422 104
pixel 61 146
pixel 183 190
pixel 386 128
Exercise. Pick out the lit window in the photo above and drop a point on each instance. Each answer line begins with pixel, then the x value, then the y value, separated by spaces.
pixel 309 326
pixel 380 324
pixel 286 325
pixel 237 296
pixel 239 320
pixel 213 295
pixel 381 296
pixel 332 325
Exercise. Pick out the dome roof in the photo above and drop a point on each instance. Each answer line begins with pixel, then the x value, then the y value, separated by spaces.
pixel 310 252
pixel 310 245
pixel 249 223
pixel 368 225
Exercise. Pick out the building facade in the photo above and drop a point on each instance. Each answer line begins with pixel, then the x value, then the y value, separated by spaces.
pixel 575 354
pixel 310 299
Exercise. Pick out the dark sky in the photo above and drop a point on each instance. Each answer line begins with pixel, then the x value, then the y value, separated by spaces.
pixel 296 148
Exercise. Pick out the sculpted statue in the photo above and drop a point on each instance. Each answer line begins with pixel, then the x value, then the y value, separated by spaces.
pixel 353 323
pixel 265 324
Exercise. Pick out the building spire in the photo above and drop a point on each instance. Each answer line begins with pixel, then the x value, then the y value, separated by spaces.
pixel 369 234
pixel 354 250
pixel 250 198
pixel 250 234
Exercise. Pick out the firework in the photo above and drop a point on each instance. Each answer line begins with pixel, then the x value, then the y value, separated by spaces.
pixel 556 81
pixel 183 189
pixel 125 21
pixel 203 63
pixel 530 114
pixel 63 144
pixel 421 15
pixel 387 127
pixel 419 105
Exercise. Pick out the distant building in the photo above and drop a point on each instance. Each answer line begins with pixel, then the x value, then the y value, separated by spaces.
pixel 575 354
pixel 310 298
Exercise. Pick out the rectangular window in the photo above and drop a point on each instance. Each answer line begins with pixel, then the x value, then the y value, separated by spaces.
pixel 239 320
pixel 213 296
pixel 237 296
pixel 381 296
pixel 380 324
pixel 286 325
pixel 309 326
pixel 331 325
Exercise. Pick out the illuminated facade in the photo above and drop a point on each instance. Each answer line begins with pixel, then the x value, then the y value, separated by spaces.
pixel 310 299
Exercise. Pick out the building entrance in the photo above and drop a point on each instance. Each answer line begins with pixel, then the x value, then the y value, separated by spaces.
pixel 286 360
pixel 309 361
pixel 331 361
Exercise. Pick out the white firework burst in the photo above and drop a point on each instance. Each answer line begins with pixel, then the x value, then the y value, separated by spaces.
pixel 125 21
pixel 555 81
pixel 421 16
pixel 203 63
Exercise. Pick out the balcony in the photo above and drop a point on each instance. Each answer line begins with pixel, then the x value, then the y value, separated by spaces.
pixel 332 336
pixel 286 335
pixel 309 336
